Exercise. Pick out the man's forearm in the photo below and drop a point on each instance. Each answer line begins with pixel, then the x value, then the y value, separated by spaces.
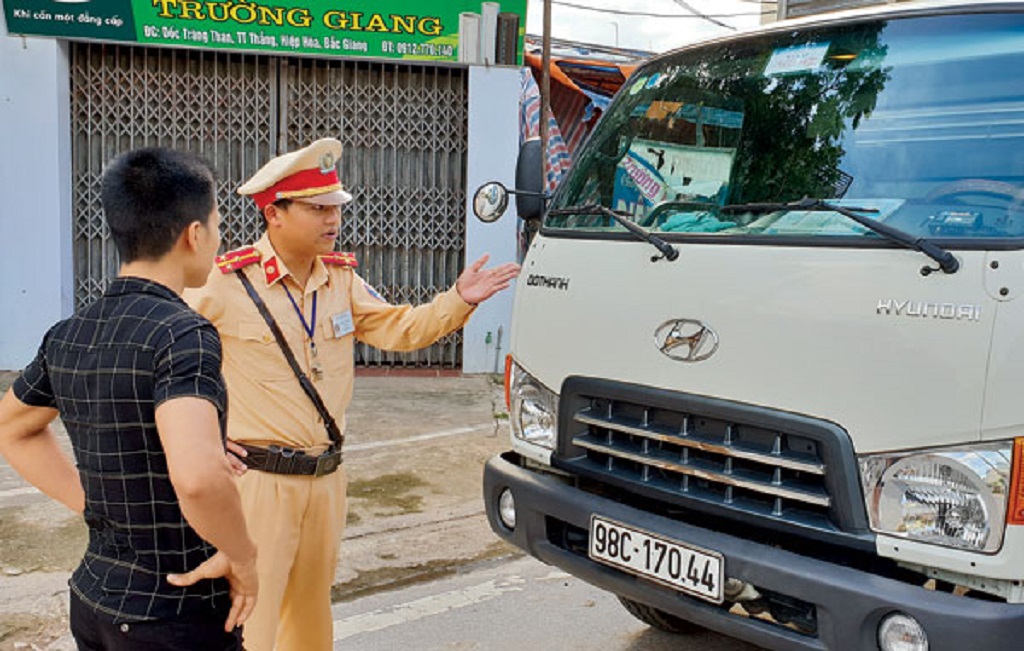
pixel 40 461
pixel 28 444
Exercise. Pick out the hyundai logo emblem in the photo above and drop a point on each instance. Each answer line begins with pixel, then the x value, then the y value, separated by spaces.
pixel 686 340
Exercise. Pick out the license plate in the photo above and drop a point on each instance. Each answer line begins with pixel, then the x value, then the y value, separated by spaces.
pixel 684 567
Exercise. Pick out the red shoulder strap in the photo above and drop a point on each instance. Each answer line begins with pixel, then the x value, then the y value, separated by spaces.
pixel 340 259
pixel 237 259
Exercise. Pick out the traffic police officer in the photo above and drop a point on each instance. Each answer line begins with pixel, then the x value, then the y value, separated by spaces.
pixel 294 492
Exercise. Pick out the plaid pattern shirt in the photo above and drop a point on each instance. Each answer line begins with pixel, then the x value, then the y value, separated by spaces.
pixel 106 370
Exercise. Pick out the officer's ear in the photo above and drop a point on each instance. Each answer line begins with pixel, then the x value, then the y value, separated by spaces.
pixel 271 215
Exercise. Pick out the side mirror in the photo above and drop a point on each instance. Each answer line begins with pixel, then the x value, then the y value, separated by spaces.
pixel 530 180
pixel 490 201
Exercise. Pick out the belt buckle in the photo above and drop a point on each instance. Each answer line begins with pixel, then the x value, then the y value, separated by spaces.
pixel 327 462
pixel 280 459
pixel 287 453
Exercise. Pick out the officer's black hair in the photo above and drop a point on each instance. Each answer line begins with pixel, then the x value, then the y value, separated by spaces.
pixel 151 195
pixel 281 204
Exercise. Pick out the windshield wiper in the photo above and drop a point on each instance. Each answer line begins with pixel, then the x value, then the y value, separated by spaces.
pixel 947 261
pixel 667 251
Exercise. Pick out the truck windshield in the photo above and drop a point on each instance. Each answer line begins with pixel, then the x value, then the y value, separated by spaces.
pixel 920 120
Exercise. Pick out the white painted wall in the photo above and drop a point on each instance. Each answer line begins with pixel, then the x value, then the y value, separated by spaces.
pixel 492 150
pixel 36 279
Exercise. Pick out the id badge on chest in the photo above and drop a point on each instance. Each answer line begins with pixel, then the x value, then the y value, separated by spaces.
pixel 342 324
pixel 315 367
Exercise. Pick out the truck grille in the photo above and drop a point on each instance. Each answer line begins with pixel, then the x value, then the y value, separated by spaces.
pixel 711 452
pixel 705 453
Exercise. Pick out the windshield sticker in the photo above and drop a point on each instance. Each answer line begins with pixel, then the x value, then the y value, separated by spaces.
pixel 639 180
pixel 637 85
pixel 799 58
pixel 652 172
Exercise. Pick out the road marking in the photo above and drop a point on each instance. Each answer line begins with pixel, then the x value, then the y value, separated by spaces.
pixel 419 437
pixel 29 490
pixel 382 618
pixel 15 492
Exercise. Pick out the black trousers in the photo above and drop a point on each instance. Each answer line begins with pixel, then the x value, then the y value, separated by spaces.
pixel 95 633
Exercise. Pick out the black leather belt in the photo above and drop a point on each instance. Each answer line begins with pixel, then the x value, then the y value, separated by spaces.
pixel 289 461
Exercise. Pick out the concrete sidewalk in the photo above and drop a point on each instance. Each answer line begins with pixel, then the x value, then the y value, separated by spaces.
pixel 415 449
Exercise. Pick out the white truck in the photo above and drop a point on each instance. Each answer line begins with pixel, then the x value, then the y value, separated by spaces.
pixel 766 372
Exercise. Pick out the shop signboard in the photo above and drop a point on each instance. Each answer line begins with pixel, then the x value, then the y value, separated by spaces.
pixel 466 31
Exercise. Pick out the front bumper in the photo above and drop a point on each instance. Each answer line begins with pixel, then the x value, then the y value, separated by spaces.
pixel 849 602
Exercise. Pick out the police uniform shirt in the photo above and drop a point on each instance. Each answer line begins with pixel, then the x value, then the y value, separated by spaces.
pixel 268 406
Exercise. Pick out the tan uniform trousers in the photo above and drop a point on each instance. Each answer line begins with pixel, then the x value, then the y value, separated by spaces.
pixel 297 523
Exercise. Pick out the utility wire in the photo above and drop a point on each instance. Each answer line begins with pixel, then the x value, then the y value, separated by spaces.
pixel 704 16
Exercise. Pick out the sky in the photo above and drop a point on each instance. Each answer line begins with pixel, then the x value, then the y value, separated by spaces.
pixel 655 33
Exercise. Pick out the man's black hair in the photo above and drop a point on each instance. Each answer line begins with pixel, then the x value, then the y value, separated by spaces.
pixel 151 195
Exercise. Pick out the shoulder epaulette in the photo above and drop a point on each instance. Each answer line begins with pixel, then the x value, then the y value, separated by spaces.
pixel 341 259
pixel 237 259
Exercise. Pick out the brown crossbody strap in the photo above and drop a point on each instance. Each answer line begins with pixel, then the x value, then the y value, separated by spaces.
pixel 329 423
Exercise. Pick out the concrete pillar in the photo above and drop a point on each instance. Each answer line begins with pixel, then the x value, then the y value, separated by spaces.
pixel 36 273
pixel 492 149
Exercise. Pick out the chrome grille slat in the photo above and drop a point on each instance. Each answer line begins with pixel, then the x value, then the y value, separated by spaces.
pixel 679 454
pixel 727 479
pixel 772 460
pixel 683 451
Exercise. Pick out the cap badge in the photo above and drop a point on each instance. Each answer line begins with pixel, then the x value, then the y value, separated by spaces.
pixel 327 163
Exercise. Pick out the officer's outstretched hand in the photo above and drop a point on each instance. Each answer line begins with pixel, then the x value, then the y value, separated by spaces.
pixel 241 577
pixel 476 284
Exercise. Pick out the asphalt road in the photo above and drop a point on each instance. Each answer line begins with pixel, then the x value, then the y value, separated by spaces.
pixel 508 605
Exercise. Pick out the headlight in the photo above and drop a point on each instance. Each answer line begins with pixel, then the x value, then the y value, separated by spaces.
pixel 954 497
pixel 534 413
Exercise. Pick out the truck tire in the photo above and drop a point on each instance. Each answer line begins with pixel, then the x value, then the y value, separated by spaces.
pixel 659 619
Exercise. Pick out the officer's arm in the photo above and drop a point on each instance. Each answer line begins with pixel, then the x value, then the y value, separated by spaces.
pixel 29 445
pixel 404 327
pixel 190 433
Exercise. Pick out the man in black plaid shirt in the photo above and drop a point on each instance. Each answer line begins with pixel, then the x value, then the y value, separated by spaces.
pixel 136 379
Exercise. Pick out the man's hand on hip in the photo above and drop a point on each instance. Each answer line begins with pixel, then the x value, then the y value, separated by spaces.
pixel 240 576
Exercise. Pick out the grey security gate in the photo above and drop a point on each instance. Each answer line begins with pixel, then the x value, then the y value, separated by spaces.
pixel 403 128
pixel 403 131
pixel 217 105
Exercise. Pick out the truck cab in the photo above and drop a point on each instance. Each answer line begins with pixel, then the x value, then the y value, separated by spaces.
pixel 767 351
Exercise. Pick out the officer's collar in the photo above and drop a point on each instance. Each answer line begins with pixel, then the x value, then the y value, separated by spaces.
pixel 274 268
